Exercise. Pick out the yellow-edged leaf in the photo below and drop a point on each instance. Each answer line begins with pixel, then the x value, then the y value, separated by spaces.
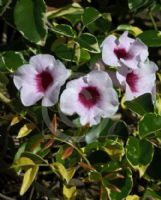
pixel 25 130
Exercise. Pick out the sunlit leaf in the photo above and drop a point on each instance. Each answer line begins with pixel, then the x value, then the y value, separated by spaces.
pixel 132 197
pixel 23 162
pixel 66 174
pixel 16 119
pixel 69 193
pixel 134 30
pixel 25 130
pixel 37 159
pixel 28 179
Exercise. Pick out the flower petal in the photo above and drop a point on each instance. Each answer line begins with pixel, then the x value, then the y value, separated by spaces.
pixel 42 61
pixel 29 96
pixel 24 74
pixel 99 78
pixel 60 73
pixel 108 55
pixel 138 48
pixel 68 101
pixel 125 41
pixel 109 103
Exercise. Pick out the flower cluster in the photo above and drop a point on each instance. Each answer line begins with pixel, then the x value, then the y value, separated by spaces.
pixel 135 73
pixel 91 96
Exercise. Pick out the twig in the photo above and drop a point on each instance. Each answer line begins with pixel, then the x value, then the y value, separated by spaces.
pixel 153 21
pixel 5 7
pixel 6 197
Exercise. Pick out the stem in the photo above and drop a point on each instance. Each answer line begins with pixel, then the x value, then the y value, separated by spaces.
pixel 77 149
pixel 5 7
pixel 32 192
pixel 153 21
pixel 6 197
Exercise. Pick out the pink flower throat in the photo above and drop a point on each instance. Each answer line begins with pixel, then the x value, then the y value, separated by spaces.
pixel 43 80
pixel 132 80
pixel 121 53
pixel 89 96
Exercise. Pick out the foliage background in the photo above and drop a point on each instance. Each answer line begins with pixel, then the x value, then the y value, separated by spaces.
pixel 119 158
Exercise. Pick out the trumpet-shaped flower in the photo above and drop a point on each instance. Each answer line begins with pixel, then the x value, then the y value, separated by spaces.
pixel 123 50
pixel 138 81
pixel 91 97
pixel 40 79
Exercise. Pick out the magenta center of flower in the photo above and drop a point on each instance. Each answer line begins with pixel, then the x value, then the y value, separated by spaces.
pixel 43 80
pixel 132 80
pixel 121 53
pixel 89 96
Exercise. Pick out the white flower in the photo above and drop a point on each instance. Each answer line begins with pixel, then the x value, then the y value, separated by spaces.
pixel 138 81
pixel 91 97
pixel 40 79
pixel 123 50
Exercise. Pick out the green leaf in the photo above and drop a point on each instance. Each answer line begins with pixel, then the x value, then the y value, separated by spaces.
pixel 28 179
pixel 139 154
pixel 134 30
pixel 135 4
pixel 141 105
pixel 111 166
pixel 89 42
pixel 13 60
pixel 84 56
pixel 64 29
pixel 90 15
pixel 149 124
pixel 64 52
pixel 151 38
pixel 30 20
pixel 20 151
pixel 2 65
pixel 125 186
